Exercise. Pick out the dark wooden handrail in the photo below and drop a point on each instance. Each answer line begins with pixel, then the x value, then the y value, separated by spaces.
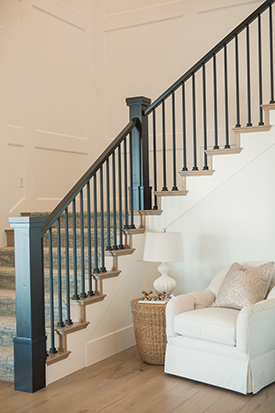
pixel 209 55
pixel 60 208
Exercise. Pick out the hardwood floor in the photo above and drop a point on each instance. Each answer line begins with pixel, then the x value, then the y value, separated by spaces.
pixel 124 383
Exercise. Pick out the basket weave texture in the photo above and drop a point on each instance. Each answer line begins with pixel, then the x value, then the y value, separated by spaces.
pixel 150 331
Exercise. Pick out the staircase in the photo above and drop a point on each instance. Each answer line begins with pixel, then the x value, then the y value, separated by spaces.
pixel 7 292
pixel 67 239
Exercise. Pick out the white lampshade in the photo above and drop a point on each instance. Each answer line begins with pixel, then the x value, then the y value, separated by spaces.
pixel 163 247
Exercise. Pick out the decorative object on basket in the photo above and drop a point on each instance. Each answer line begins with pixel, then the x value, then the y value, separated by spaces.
pixel 146 296
pixel 160 296
pixel 163 247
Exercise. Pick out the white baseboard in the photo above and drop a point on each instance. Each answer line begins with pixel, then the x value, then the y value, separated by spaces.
pixel 109 345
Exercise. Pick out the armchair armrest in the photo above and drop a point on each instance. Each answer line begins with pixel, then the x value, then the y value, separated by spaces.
pixel 186 302
pixel 255 331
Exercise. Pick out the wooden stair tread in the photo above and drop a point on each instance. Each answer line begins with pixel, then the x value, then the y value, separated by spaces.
pixel 249 129
pixel 133 231
pixel 206 172
pixel 268 106
pixel 89 300
pixel 148 212
pixel 76 326
pixel 60 355
pixel 223 151
pixel 170 193
pixel 68 329
pixel 4 270
pixel 118 253
pixel 106 274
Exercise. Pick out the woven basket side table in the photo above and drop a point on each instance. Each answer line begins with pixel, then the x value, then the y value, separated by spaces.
pixel 150 331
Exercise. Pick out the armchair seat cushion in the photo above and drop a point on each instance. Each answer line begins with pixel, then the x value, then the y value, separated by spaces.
pixel 212 324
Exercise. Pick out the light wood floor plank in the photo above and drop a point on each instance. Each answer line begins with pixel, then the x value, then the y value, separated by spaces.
pixel 230 402
pixel 124 383
pixel 201 401
pixel 262 402
pixel 101 400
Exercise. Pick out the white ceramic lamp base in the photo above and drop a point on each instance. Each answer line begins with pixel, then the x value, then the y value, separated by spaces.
pixel 164 282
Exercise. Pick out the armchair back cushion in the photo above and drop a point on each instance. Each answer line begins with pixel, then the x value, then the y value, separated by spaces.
pixel 242 287
pixel 217 281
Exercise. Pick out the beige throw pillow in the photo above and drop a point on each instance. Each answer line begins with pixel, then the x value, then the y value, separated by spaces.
pixel 242 287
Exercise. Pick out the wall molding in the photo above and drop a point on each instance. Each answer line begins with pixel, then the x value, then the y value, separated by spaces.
pixel 61 142
pixel 61 12
pixel 110 344
pixel 143 16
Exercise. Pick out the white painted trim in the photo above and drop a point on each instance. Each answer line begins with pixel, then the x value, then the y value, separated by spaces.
pixel 98 349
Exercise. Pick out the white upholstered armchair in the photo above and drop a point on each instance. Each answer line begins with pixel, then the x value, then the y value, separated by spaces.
pixel 227 347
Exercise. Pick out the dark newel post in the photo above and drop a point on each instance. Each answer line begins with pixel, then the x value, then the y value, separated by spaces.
pixel 30 341
pixel 142 198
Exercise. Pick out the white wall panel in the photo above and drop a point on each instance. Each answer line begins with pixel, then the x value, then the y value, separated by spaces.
pixel 56 172
pixel 16 176
pixel 144 55
pixel 218 16
pixel 12 49
pixel 59 61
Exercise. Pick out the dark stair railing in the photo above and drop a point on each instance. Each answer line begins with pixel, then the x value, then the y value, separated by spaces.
pixel 95 207
pixel 88 209
pixel 195 88
pixel 95 234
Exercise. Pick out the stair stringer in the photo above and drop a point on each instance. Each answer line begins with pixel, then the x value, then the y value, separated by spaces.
pixel 111 327
pixel 225 167
pixel 242 230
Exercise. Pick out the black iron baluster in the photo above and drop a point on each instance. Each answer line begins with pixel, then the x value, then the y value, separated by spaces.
pixel 68 320
pixel 155 160
pixel 108 248
pixel 195 167
pixel 140 166
pixel 260 70
pixel 83 293
pixel 226 99
pixel 52 349
pixel 132 226
pixel 238 125
pixel 271 55
pixel 126 226
pixel 184 168
pixel 60 321
pixel 102 268
pixel 75 296
pixel 216 146
pixel 121 246
pixel 115 246
pixel 174 188
pixel 205 167
pixel 248 77
pixel 89 244
pixel 164 147
pixel 96 269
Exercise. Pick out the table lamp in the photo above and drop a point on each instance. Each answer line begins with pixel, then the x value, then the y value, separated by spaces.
pixel 163 247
